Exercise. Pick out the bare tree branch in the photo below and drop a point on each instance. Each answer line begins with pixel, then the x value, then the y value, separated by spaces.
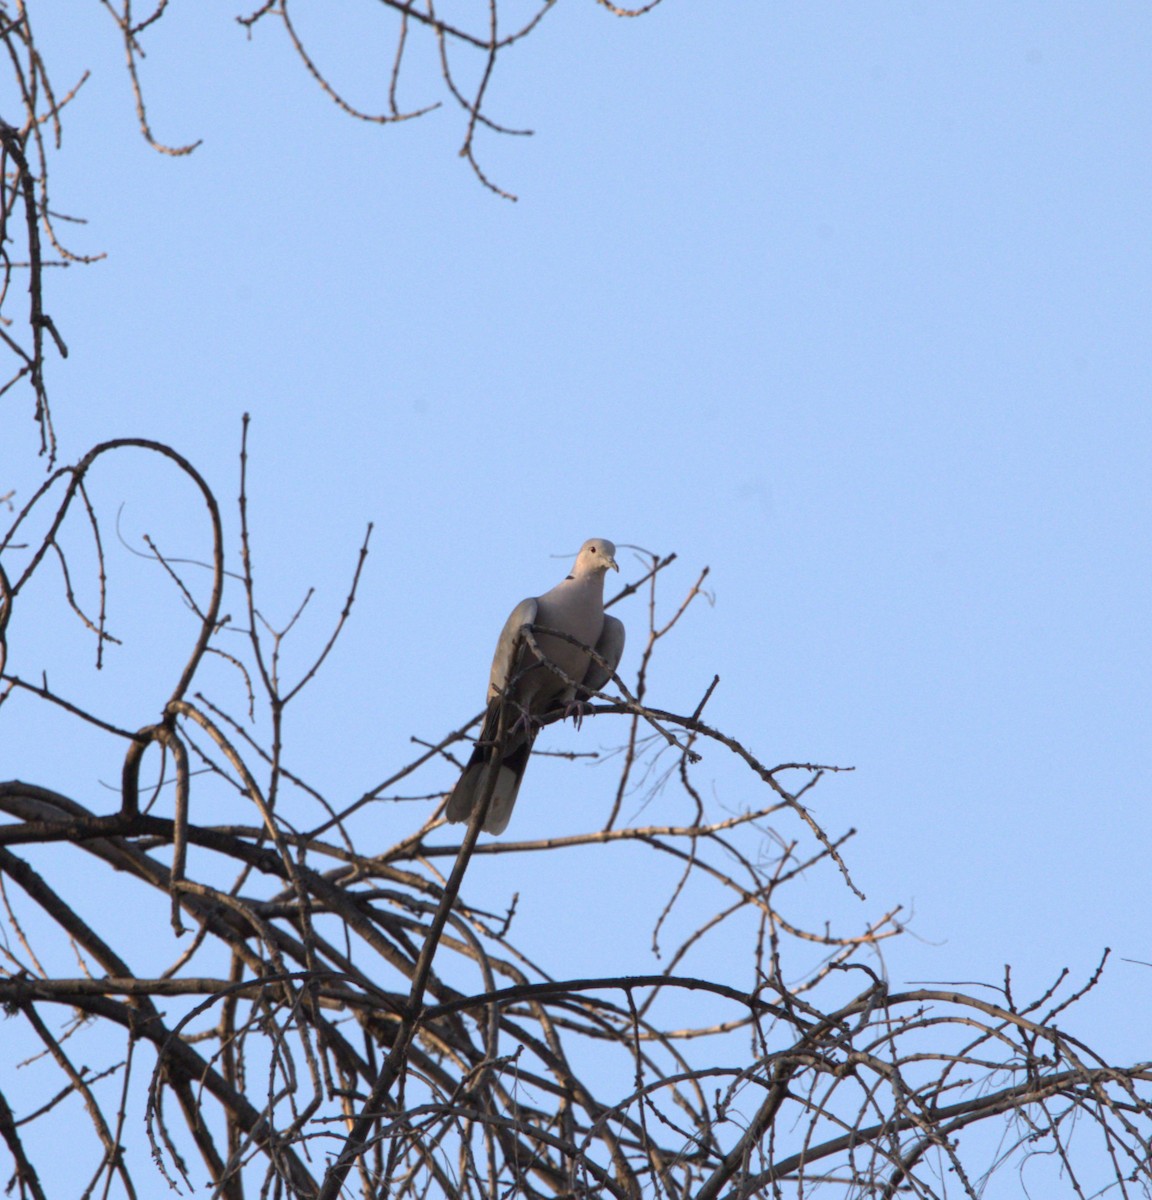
pixel 337 1020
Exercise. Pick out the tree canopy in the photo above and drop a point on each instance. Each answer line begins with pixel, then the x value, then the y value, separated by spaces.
pixel 267 1000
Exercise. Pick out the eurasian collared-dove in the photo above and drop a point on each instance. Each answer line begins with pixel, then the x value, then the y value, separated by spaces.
pixel 575 606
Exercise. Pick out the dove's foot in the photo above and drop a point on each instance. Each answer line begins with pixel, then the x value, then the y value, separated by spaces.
pixel 577 710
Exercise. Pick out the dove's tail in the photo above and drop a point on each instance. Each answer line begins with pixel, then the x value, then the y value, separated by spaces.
pixel 472 784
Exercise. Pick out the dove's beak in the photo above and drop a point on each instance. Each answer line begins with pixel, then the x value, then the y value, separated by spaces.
pixel 612 564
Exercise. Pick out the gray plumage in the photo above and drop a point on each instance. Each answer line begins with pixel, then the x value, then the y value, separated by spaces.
pixel 575 606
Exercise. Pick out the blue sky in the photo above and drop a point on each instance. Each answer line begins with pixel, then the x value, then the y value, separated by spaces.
pixel 848 302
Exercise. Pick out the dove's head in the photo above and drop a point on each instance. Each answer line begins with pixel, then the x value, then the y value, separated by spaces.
pixel 595 557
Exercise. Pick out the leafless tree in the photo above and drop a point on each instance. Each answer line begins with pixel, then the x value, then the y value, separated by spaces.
pixel 338 1022
pixel 324 1018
